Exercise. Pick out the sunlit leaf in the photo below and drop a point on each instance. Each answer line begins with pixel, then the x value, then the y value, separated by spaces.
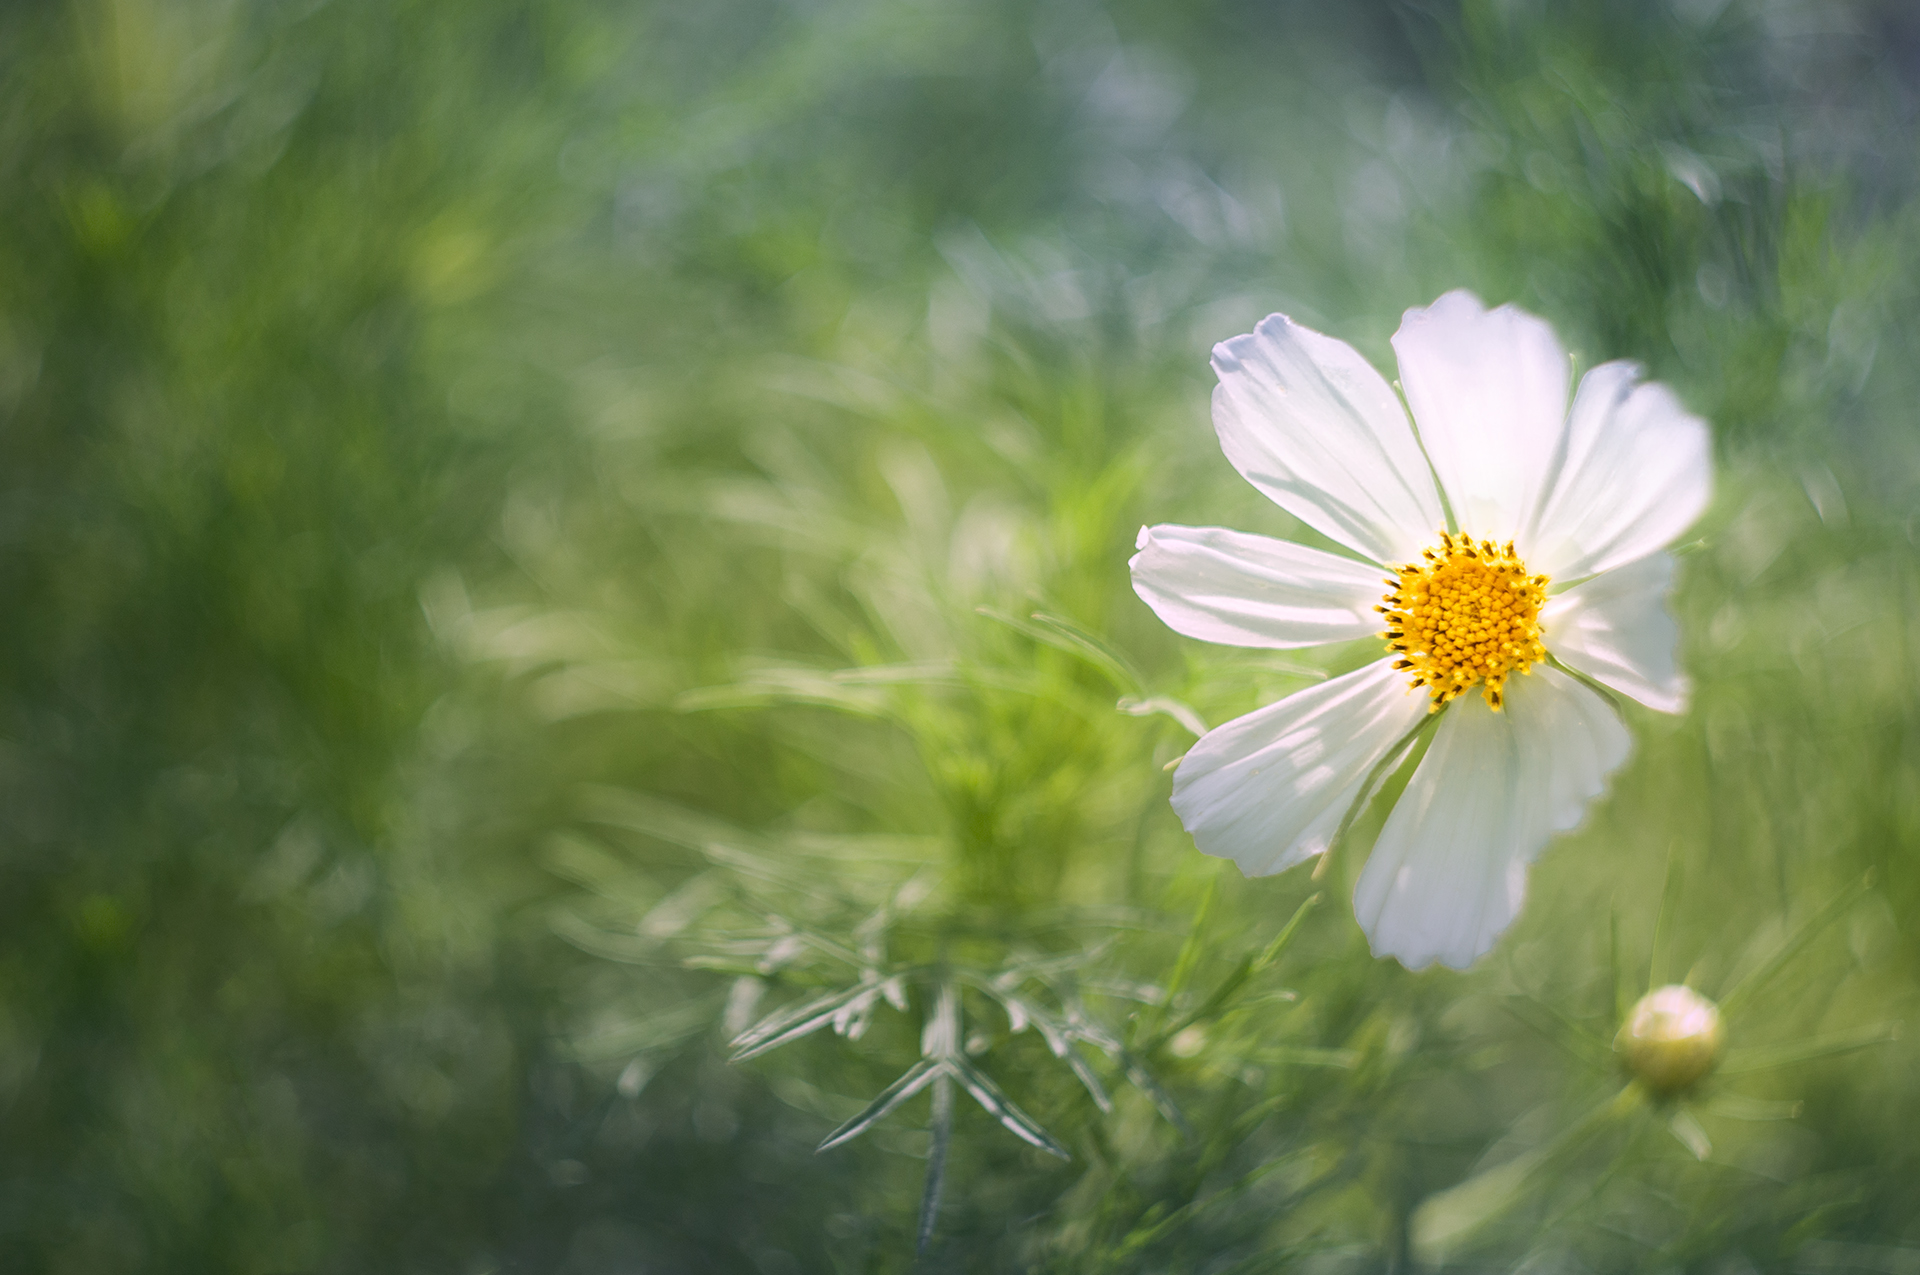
pixel 1066 636
pixel 1449 1221
pixel 1143 1080
pixel 1000 1107
pixel 1691 1135
pixel 785 1026
pixel 1090 1082
pixel 1167 705
pixel 1446 1222
pixel 612 945
pixel 915 1078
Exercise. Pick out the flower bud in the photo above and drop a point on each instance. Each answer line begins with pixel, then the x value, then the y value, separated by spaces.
pixel 1671 1038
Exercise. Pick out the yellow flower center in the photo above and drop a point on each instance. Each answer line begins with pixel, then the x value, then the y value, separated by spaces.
pixel 1467 614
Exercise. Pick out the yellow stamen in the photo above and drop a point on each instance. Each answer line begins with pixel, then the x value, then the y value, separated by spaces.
pixel 1468 614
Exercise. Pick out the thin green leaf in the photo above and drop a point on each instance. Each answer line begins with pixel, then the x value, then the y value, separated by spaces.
pixel 1063 635
pixel 1126 989
pixel 940 1034
pixel 848 690
pixel 911 1082
pixel 589 863
pixel 1408 749
pixel 1095 650
pixel 1736 1106
pixel 1184 963
pixel 752 865
pixel 1622 998
pixel 1445 1222
pixel 1081 1026
pixel 673 914
pixel 611 945
pixel 1307 1056
pixel 790 1024
pixel 1089 1081
pixel 1563 1031
pixel 650 1031
pixel 978 1084
pixel 1237 978
pixel 1206 1009
pixel 1758 977
pixel 1587 680
pixel 1154 1225
pixel 1143 1080
pixel 1663 921
pixel 1449 1220
pixel 1271 953
pixel 1684 1127
pixel 713 839
pixel 1178 711
pixel 1231 984
pixel 1741 1062
pixel 942 1129
pixel 661 820
pixel 938 674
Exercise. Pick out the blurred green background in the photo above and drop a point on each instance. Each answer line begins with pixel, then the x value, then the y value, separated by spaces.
pixel 519 528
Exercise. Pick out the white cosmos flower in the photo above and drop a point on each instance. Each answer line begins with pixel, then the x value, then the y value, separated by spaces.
pixel 1513 536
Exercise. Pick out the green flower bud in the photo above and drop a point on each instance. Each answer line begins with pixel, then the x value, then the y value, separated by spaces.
pixel 1671 1039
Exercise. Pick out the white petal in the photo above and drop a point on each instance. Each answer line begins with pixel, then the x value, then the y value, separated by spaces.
pixel 1488 389
pixel 1243 590
pixel 1449 871
pixel 1615 628
pixel 1269 789
pixel 1637 470
pixel 1309 422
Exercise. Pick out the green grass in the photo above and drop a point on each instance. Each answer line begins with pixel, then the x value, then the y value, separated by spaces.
pixel 537 535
